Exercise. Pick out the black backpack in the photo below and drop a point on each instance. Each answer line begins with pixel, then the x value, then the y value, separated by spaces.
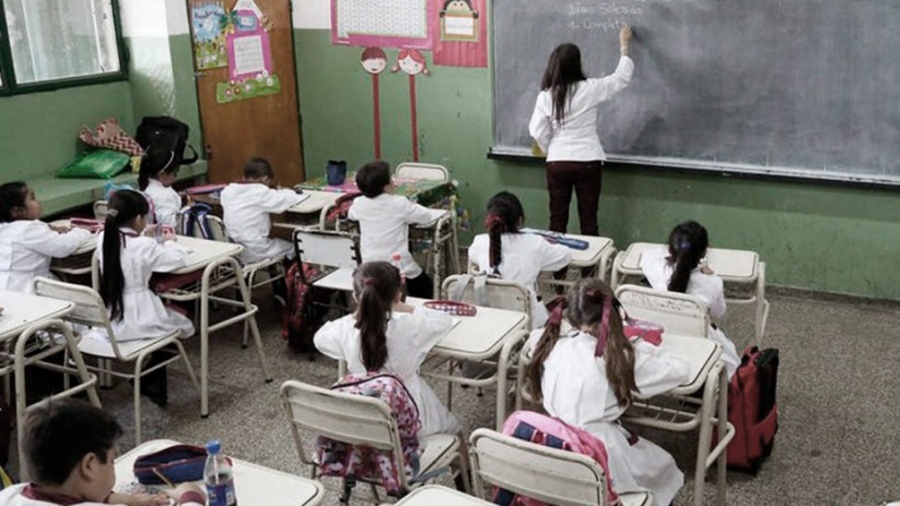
pixel 165 132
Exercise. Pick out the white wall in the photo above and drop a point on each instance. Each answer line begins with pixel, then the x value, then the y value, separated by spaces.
pixel 312 14
pixel 142 18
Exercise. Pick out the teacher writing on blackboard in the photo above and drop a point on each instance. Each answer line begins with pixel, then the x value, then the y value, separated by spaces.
pixel 564 125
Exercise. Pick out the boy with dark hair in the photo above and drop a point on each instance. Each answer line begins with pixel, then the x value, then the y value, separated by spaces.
pixel 70 450
pixel 384 221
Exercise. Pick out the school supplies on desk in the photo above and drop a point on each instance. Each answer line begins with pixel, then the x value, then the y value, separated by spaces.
pixel 452 307
pixel 557 238
pixel 205 189
pixel 90 224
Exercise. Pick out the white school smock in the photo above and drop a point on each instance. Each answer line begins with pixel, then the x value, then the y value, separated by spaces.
pixel 166 203
pixel 14 496
pixel 576 390
pixel 245 210
pixel 575 138
pixel 410 336
pixel 26 248
pixel 144 315
pixel 384 228
pixel 522 258
pixel 709 288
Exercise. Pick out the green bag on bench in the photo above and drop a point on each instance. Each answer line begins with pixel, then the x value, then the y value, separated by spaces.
pixel 99 164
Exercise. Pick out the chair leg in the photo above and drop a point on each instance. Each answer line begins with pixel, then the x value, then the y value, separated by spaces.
pixel 138 365
pixel 188 365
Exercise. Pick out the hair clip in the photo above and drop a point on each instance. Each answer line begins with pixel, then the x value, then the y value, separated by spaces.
pixel 604 328
pixel 370 282
pixel 684 246
pixel 112 213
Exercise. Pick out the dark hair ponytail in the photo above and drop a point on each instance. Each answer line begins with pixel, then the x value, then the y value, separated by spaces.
pixel 376 285
pixel 504 213
pixel 123 207
pixel 12 195
pixel 688 243
pixel 562 73
pixel 157 161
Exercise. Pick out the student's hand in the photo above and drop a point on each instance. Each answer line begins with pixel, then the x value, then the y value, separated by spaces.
pixel 705 269
pixel 167 234
pixel 402 307
pixel 149 231
pixel 625 34
pixel 61 229
pixel 179 492
pixel 140 499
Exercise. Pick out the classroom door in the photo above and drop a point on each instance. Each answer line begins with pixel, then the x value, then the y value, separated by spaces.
pixel 246 84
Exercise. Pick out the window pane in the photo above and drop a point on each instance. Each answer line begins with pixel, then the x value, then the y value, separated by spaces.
pixel 59 39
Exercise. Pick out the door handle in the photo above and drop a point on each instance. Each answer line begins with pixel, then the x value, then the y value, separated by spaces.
pixel 199 74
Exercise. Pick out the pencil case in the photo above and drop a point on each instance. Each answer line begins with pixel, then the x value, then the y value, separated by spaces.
pixel 175 464
pixel 647 331
pixel 452 307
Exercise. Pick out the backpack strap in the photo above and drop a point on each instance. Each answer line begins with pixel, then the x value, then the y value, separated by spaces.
pixel 479 286
pixel 192 159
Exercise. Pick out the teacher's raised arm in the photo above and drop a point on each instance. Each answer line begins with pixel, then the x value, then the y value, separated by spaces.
pixel 564 126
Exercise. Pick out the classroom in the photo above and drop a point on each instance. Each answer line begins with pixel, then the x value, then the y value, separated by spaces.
pixel 769 124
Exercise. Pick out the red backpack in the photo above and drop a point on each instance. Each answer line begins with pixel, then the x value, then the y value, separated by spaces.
pixel 752 409
pixel 301 318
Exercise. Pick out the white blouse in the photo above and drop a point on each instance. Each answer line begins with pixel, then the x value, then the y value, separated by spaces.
pixel 26 248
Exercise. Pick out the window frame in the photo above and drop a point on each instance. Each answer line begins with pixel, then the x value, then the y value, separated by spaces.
pixel 11 87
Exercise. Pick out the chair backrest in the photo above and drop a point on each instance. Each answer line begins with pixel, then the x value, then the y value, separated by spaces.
pixel 216 228
pixel 344 417
pixel 90 309
pixel 100 209
pixel 545 474
pixel 498 293
pixel 678 313
pixel 429 171
pixel 329 249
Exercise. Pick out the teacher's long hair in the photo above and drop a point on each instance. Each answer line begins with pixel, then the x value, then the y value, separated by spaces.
pixel 563 72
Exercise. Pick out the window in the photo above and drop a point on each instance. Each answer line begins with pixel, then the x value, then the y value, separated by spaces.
pixel 47 44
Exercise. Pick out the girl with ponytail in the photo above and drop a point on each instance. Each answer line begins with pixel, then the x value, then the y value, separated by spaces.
pixel 681 267
pixel 159 170
pixel 587 376
pixel 506 253
pixel 385 334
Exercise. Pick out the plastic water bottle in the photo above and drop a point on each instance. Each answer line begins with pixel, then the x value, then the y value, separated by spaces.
pixel 396 262
pixel 218 476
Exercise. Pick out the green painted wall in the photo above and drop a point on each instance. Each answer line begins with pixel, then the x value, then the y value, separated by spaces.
pixel 822 237
pixel 39 130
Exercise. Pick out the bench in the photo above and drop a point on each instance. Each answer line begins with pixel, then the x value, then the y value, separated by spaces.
pixel 58 195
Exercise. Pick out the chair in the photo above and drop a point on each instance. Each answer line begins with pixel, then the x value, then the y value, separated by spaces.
pixel 685 316
pixel 546 474
pixel 100 209
pixel 416 170
pixel 91 311
pixel 361 420
pixel 334 251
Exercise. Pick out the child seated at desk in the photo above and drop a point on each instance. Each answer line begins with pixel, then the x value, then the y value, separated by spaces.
pixel 682 268
pixel 506 253
pixel 70 448
pixel 27 244
pixel 588 377
pixel 246 206
pixel 388 335
pixel 384 221
pixel 159 169
pixel 128 258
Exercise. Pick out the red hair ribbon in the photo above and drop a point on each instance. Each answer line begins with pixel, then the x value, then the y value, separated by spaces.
pixel 492 220
pixel 556 315
pixel 370 282
pixel 604 327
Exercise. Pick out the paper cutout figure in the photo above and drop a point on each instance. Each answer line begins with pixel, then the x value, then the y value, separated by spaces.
pixel 209 23
pixel 412 62
pixel 374 61
pixel 459 21
pixel 249 53
pixel 248 88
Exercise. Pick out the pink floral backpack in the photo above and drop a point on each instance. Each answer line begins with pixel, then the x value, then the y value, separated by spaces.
pixel 355 463
pixel 554 433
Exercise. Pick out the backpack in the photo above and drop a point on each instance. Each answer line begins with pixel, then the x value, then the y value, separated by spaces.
pixel 165 132
pixel 752 409
pixel 301 318
pixel 363 463
pixel 195 216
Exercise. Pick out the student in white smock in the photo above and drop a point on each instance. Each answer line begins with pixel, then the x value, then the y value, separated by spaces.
pixel 246 206
pixel 27 245
pixel 384 220
pixel 388 335
pixel 506 253
pixel 159 170
pixel 681 268
pixel 128 258
pixel 70 451
pixel 589 376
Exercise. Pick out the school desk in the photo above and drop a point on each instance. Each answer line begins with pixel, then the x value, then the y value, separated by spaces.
pixel 221 271
pixel 480 338
pixel 253 483
pixel 739 268
pixel 437 495
pixel 22 317
pixel 79 262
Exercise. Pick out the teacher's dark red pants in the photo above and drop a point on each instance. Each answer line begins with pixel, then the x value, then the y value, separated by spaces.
pixel 586 178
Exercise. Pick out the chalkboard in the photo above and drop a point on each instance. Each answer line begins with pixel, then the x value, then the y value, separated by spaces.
pixel 807 88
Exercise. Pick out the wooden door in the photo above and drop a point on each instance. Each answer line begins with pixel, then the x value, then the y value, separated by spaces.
pixel 235 130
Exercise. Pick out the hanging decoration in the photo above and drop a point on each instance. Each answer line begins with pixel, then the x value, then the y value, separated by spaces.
pixel 249 56
pixel 412 63
pixel 374 61
pixel 209 23
pixel 462 28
